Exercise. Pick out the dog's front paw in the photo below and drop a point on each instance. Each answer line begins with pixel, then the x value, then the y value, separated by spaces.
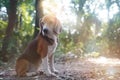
pixel 55 71
pixel 49 73
pixel 53 74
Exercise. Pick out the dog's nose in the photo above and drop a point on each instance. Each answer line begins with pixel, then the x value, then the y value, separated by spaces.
pixel 45 30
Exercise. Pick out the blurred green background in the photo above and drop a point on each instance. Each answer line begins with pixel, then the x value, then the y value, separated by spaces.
pixel 90 27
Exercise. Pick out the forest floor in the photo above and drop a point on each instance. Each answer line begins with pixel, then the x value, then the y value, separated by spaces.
pixel 100 68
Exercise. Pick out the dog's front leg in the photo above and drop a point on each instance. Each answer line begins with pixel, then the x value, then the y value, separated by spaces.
pixel 46 67
pixel 52 67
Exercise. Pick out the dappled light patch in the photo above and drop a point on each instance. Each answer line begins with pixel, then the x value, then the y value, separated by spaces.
pixel 105 61
pixel 107 67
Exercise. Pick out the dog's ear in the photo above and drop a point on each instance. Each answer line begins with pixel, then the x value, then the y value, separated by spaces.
pixel 41 25
pixel 40 22
pixel 58 28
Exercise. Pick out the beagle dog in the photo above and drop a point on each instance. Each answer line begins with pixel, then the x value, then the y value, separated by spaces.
pixel 40 50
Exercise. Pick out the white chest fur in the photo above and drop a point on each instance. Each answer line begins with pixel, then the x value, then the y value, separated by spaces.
pixel 52 48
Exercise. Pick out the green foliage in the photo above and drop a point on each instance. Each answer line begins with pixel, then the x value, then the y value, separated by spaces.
pixel 2 31
pixel 4 3
pixel 23 30
pixel 113 35
pixel 114 29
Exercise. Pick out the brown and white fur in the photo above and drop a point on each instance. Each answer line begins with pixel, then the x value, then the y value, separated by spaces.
pixel 41 49
pixel 53 27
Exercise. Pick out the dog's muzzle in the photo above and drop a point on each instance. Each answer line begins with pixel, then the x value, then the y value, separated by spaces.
pixel 43 33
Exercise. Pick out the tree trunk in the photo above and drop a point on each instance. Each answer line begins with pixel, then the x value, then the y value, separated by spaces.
pixel 11 11
pixel 39 14
pixel 80 11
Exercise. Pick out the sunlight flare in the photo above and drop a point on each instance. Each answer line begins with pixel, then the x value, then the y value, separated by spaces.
pixel 104 60
pixel 61 9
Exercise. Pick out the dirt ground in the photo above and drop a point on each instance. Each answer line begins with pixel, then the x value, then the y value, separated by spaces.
pixel 75 69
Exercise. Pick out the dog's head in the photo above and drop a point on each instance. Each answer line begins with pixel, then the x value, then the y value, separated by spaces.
pixel 51 26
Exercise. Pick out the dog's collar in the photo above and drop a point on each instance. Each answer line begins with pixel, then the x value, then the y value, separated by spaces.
pixel 49 40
